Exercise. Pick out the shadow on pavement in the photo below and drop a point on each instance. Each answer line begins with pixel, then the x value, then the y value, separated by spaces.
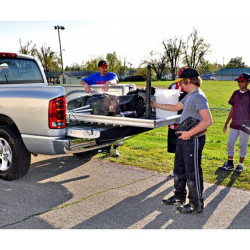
pixel 242 219
pixel 34 193
pixel 134 211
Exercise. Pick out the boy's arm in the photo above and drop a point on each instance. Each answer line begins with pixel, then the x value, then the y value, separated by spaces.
pixel 85 85
pixel 169 107
pixel 228 120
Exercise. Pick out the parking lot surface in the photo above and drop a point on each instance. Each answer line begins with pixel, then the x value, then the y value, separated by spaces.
pixel 70 192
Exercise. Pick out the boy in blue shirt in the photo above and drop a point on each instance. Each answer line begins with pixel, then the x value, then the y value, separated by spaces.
pixel 103 77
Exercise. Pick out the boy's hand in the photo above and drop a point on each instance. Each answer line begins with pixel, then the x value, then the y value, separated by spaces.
pixel 184 135
pixel 105 87
pixel 225 129
pixel 86 88
pixel 153 104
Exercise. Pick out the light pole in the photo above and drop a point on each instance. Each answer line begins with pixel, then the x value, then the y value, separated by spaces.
pixel 60 28
pixel 130 64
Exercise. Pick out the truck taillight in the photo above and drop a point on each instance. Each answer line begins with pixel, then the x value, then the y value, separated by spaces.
pixel 57 113
pixel 6 54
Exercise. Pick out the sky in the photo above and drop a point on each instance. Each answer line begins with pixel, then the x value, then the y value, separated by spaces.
pixel 131 28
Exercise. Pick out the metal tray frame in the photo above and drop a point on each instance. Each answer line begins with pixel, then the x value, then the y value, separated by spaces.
pixel 123 121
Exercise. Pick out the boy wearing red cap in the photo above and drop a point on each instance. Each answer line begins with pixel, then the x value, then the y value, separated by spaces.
pixel 172 138
pixel 240 114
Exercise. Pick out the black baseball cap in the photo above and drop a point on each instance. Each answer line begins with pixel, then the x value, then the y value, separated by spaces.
pixel 243 76
pixel 187 73
pixel 102 63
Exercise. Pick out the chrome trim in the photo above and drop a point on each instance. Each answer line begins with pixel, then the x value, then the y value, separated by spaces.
pixel 70 147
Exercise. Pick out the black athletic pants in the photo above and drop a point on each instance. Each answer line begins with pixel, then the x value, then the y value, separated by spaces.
pixel 187 170
pixel 172 139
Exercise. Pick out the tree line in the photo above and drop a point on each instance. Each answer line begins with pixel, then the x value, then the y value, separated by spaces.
pixel 176 52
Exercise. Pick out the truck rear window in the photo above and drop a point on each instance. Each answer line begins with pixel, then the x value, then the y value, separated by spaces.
pixel 17 70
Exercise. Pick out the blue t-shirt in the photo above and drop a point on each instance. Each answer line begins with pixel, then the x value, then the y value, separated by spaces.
pixel 98 79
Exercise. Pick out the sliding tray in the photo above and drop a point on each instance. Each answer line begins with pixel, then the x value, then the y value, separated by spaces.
pixel 122 121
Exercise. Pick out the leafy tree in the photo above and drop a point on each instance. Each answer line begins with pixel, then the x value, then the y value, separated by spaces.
pixel 28 48
pixel 113 61
pixel 75 67
pixel 122 67
pixel 205 67
pixel 173 51
pixel 143 71
pixel 194 49
pixel 92 64
pixel 158 63
pixel 49 59
pixel 236 62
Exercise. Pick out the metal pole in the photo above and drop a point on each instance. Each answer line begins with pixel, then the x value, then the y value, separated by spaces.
pixel 58 28
pixel 148 93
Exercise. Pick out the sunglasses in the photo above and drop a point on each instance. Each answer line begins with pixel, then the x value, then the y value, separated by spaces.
pixel 240 81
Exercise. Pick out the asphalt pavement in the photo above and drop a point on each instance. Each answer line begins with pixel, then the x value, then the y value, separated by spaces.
pixel 73 193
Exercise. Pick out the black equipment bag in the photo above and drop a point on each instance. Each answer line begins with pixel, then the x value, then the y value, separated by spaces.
pixel 132 102
pixel 110 105
pixel 141 92
pixel 78 102
pixel 104 104
pixel 187 125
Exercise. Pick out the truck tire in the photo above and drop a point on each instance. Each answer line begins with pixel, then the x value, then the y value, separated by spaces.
pixel 14 157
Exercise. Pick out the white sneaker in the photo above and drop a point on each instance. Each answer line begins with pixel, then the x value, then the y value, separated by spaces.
pixel 116 153
pixel 171 173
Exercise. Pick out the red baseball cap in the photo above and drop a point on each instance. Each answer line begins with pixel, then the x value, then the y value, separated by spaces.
pixel 179 73
pixel 243 77
pixel 102 63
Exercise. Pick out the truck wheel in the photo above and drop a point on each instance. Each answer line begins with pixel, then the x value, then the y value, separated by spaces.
pixel 14 157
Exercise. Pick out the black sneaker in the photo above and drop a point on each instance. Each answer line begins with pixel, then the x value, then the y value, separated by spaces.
pixel 238 169
pixel 227 167
pixel 188 209
pixel 173 200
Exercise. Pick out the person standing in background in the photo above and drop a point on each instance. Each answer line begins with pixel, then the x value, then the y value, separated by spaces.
pixel 105 78
pixel 172 138
pixel 240 114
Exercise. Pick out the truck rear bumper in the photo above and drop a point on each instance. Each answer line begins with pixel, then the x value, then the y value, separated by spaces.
pixel 58 145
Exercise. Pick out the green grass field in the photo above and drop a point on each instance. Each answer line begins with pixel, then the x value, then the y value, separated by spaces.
pixel 149 150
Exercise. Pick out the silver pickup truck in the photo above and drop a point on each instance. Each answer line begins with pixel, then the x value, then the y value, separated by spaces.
pixel 34 118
